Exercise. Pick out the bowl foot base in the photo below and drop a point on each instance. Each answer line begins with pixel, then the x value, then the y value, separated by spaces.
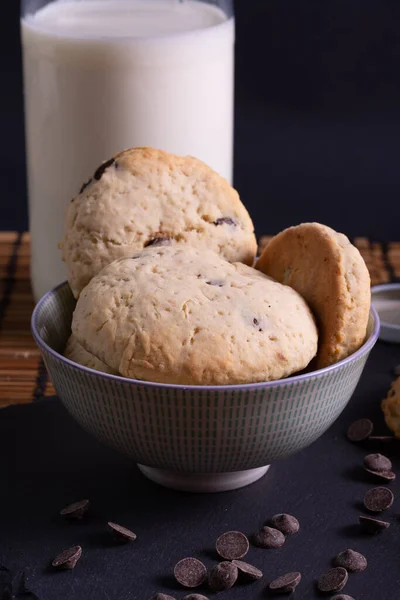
pixel 203 482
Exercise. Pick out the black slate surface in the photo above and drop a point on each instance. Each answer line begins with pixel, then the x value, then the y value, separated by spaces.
pixel 47 461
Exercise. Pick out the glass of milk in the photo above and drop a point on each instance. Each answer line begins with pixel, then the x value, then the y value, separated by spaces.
pixel 104 75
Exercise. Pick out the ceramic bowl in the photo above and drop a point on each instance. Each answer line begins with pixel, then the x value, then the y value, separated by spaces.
pixel 195 438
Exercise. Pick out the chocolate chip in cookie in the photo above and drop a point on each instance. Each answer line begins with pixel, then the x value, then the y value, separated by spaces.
pixel 215 282
pixel 100 171
pixel 256 324
pixel 158 241
pixel 225 221
pixel 85 185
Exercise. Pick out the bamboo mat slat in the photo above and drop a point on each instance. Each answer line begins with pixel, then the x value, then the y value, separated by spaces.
pixel 23 377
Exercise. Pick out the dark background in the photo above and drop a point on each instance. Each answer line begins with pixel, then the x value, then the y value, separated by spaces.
pixel 317 114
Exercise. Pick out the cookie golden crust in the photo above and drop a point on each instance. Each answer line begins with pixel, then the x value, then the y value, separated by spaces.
pixel 331 275
pixel 391 408
pixel 143 197
pixel 75 352
pixel 184 315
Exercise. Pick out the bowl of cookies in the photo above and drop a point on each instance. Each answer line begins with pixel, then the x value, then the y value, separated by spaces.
pixel 172 344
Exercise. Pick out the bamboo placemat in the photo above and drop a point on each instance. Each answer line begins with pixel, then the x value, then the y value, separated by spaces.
pixel 23 377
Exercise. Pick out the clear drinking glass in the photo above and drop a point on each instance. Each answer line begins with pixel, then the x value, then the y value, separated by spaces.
pixel 104 75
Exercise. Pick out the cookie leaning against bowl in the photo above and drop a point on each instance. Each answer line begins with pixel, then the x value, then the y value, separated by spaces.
pixel 145 197
pixel 75 352
pixel 177 314
pixel 331 275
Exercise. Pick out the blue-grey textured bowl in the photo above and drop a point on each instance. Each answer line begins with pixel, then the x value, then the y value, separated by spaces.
pixel 192 437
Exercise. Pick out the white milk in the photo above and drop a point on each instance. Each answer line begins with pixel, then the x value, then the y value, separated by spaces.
pixel 103 75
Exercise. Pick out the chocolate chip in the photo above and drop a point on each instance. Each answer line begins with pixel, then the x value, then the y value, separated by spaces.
pixel 121 534
pixel 215 282
pixel 223 576
pixel 162 597
pixel 286 584
pixel 232 545
pixel 351 561
pixel 195 597
pixel 382 475
pixel 85 185
pixel 256 324
pixel 269 537
pixel 190 572
pixel 76 510
pixel 68 558
pixel 158 241
pixel 378 499
pixel 100 171
pixel 373 525
pixel 342 597
pixel 225 221
pixel 333 581
pixel 360 430
pixel 287 524
pixel 377 462
pixel 249 572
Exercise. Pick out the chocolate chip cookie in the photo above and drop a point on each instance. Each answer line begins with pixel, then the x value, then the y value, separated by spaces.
pixel 146 197
pixel 178 314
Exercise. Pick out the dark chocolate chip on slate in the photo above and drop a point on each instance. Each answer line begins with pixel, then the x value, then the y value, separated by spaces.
pixel 382 475
pixel 223 576
pixel 351 561
pixel 360 430
pixel 333 580
pixel 162 597
pixel 287 524
pixel 85 185
pixel 286 584
pixel 121 534
pixel 225 221
pixel 195 597
pixel 76 510
pixel 372 525
pixel 377 462
pixel 342 597
pixel 269 537
pixel 100 171
pixel 378 499
pixel 158 241
pixel 68 558
pixel 232 545
pixel 190 572
pixel 247 571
